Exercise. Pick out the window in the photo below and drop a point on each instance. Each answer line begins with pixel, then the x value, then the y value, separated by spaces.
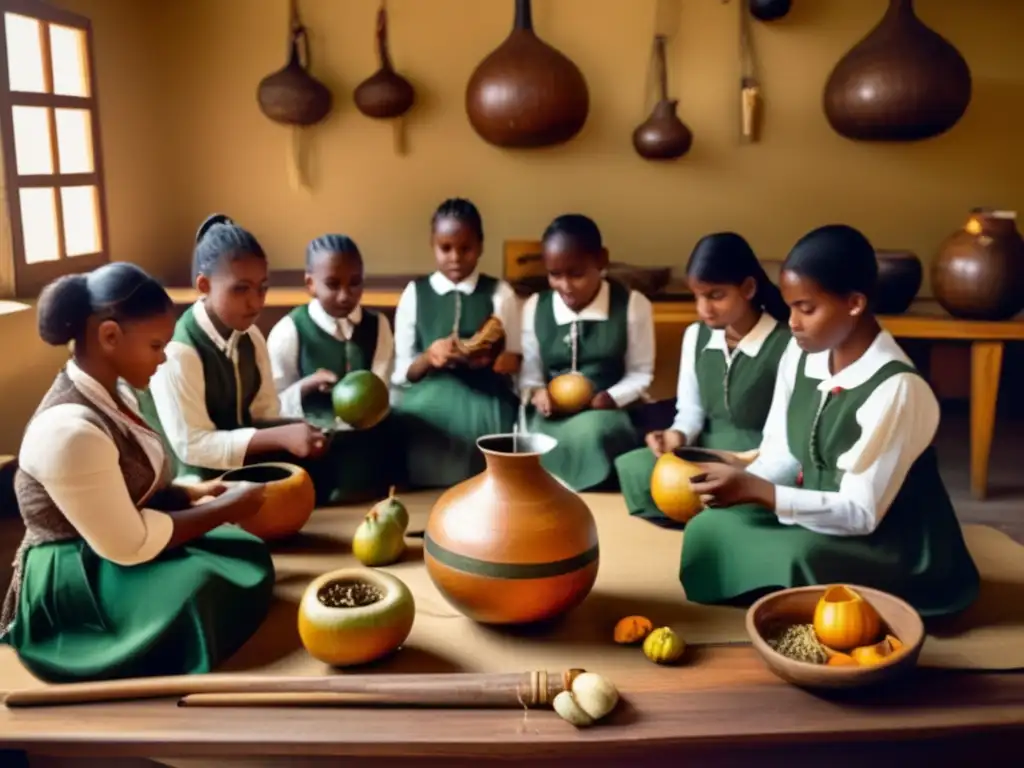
pixel 49 132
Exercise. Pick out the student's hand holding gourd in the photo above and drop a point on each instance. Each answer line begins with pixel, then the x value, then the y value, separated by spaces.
pixel 211 489
pixel 664 441
pixel 442 352
pixel 541 400
pixel 321 381
pixel 303 440
pixel 722 485
pixel 602 401
pixel 245 499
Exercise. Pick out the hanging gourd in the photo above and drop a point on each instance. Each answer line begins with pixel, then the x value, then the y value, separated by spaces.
pixel 291 96
pixel 902 82
pixel 525 93
pixel 769 10
pixel 385 95
pixel 662 136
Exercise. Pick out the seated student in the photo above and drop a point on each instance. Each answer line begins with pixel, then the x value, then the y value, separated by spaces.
pixel 214 399
pixel 120 573
pixel 846 487
pixel 598 328
pixel 315 346
pixel 444 401
pixel 727 366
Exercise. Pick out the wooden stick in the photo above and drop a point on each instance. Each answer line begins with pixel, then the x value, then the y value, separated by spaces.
pixel 506 689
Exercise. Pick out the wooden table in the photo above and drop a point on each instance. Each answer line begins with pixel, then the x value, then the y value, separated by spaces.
pixel 925 320
pixel 721 704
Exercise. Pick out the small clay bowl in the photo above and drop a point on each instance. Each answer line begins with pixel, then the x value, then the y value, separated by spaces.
pixel 796 606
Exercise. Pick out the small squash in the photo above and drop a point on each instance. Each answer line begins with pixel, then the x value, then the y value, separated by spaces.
pixel 663 646
pixel 880 652
pixel 632 629
pixel 841 660
pixel 843 619
pixel 671 490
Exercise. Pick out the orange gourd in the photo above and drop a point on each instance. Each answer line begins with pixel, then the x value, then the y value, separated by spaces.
pixel 843 619
pixel 632 629
pixel 841 660
pixel 289 498
pixel 671 490
pixel 570 392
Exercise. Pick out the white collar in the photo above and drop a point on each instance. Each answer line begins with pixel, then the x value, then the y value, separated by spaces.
pixel 98 395
pixel 228 346
pixel 751 343
pixel 330 324
pixel 883 349
pixel 597 309
pixel 443 285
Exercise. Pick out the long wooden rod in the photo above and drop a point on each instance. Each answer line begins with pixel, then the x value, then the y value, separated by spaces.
pixel 506 689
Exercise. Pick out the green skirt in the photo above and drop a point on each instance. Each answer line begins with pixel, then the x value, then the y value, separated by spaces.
pixel 81 617
pixel 588 445
pixel 440 418
pixel 734 555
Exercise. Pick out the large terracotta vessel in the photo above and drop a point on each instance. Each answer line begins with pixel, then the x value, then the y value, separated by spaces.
pixel 979 271
pixel 512 545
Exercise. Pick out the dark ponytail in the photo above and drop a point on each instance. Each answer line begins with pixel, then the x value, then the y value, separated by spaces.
pixel 838 258
pixel 117 291
pixel 217 238
pixel 727 258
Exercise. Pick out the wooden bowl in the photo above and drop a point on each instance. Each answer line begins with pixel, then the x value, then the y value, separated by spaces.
pixel 796 606
pixel 290 498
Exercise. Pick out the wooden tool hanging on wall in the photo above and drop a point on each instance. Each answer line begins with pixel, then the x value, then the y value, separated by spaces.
pixel 902 82
pixel 662 136
pixel 526 93
pixel 291 96
pixel 385 95
pixel 750 86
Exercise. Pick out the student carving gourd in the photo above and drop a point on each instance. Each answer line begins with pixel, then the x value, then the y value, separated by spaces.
pixel 662 136
pixel 385 94
pixel 671 490
pixel 902 82
pixel 526 93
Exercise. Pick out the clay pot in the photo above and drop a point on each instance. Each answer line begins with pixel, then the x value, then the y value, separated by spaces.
pixel 902 82
pixel 288 503
pixel 662 136
pixel 526 93
pixel 512 545
pixel 291 95
pixel 354 616
pixel 899 280
pixel 385 94
pixel 769 10
pixel 979 271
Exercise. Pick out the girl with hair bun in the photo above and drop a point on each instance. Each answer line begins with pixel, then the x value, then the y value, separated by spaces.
pixel 315 346
pixel 846 487
pixel 121 573
pixel 727 366
pixel 214 399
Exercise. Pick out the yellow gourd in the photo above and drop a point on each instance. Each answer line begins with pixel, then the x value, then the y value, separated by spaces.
pixel 570 392
pixel 671 490
pixel 632 629
pixel 663 646
pixel 843 619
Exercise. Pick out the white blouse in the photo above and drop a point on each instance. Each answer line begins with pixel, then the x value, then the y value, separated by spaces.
pixel 690 414
pixel 640 343
pixel 283 348
pixel 76 462
pixel 506 309
pixel 179 393
pixel 899 421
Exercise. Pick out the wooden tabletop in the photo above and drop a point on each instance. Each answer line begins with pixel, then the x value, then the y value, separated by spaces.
pixel 720 701
pixel 924 320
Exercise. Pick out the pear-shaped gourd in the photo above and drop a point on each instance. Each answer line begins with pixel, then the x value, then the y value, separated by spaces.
pixel 385 94
pixel 662 136
pixel 392 509
pixel 378 542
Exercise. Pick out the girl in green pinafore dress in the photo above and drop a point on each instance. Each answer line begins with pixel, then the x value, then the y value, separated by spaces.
pixel 214 399
pixel 443 402
pixel 598 328
pixel 315 346
pixel 120 573
pixel 727 366
pixel 846 488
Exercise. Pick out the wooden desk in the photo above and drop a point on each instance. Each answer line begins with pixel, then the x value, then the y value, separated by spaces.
pixel 720 706
pixel 925 320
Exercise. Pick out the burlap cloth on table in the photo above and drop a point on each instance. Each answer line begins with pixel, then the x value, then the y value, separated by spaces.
pixel 638 575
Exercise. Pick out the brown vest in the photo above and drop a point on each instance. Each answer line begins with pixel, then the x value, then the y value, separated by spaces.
pixel 44 522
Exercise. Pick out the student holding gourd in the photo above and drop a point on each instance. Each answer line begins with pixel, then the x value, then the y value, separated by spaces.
pixel 588 325
pixel 444 399
pixel 214 399
pixel 120 573
pixel 727 365
pixel 315 346
pixel 846 487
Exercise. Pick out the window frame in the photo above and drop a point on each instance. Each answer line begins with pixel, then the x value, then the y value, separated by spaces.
pixel 29 279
